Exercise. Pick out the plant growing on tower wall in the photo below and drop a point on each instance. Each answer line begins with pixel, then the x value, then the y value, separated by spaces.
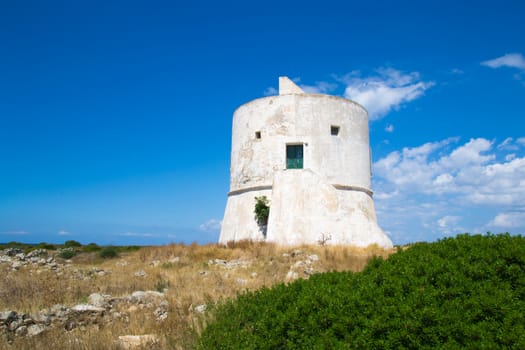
pixel 262 210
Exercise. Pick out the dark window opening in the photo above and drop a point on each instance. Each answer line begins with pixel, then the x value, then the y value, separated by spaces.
pixel 294 156
pixel 257 134
pixel 334 130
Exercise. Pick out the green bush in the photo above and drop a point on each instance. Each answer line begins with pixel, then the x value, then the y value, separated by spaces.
pixel 91 247
pixel 44 245
pixel 262 210
pixel 128 248
pixel 72 243
pixel 108 252
pixel 463 292
pixel 14 244
pixel 67 253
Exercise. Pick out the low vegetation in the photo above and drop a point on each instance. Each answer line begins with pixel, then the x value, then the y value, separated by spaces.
pixel 458 293
pixel 192 278
pixel 262 210
pixel 463 292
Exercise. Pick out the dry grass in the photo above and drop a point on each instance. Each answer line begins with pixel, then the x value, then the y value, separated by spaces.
pixel 189 273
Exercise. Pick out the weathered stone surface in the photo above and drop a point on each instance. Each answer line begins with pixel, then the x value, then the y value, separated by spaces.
pixel 87 308
pixel 18 259
pixel 241 281
pixel 7 316
pixel 70 325
pixel 292 275
pixel 200 308
pixel 313 257
pixel 329 199
pixel 160 314
pixel 35 329
pixel 135 341
pixel 42 317
pixel 99 300
pixel 230 264
pixel 12 251
pixel 59 310
pixel 143 297
pixel 21 331
pixel 140 273
pixel 100 310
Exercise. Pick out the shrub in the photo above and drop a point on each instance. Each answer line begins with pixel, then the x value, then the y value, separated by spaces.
pixel 14 244
pixel 44 245
pixel 463 292
pixel 67 253
pixel 262 210
pixel 108 252
pixel 161 285
pixel 128 248
pixel 91 247
pixel 72 243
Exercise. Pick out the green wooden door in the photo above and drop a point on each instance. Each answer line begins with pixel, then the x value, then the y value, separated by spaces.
pixel 294 156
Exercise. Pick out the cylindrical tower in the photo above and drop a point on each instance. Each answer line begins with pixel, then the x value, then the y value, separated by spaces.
pixel 309 155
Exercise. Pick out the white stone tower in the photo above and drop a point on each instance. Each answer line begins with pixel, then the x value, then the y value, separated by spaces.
pixel 309 154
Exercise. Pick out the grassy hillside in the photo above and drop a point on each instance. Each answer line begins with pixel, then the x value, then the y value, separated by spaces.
pixel 464 292
pixel 192 278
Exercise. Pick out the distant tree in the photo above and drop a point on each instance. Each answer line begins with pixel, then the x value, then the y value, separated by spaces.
pixel 72 243
pixel 108 252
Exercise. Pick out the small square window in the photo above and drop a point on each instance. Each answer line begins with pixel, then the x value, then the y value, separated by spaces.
pixel 257 134
pixel 334 130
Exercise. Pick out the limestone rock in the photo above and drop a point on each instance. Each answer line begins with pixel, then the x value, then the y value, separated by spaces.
pixel 21 331
pixel 143 297
pixel 199 308
pixel 7 316
pixel 140 273
pixel 241 281
pixel 87 308
pixel 135 341
pixel 313 257
pixel 35 329
pixel 99 300
pixel 160 314
pixel 292 275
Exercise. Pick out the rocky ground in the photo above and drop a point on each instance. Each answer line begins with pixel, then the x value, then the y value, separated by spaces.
pixel 185 281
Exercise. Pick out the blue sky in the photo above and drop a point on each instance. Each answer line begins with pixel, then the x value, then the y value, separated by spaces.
pixel 115 116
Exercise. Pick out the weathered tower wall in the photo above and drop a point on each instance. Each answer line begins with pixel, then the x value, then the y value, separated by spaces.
pixel 329 198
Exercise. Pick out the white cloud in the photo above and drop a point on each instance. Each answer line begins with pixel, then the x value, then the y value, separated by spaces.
pixel 447 187
pixel 510 157
pixel 321 87
pixel 470 171
pixel 508 220
pixel 508 144
pixel 383 195
pixel 389 128
pixel 521 141
pixel 512 60
pixel 448 220
pixel 449 224
pixel 138 234
pixel 63 233
pixel 390 89
pixel 21 232
pixel 386 90
pixel 211 225
pixel 271 91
